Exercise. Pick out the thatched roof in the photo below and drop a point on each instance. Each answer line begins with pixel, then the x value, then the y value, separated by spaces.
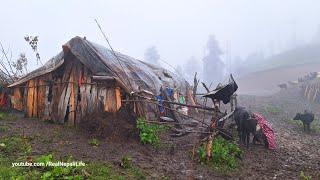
pixel 133 73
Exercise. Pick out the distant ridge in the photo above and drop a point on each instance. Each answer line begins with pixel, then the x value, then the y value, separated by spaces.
pixel 307 54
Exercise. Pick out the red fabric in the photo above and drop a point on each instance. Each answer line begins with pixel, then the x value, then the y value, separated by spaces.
pixel 3 100
pixel 266 129
pixel 80 80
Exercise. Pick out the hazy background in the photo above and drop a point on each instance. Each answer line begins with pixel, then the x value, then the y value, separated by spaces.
pixel 179 29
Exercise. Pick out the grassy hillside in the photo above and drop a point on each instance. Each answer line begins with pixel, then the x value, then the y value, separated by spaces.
pixel 306 54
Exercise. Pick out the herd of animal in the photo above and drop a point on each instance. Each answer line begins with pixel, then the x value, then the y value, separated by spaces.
pixel 306 78
pixel 248 125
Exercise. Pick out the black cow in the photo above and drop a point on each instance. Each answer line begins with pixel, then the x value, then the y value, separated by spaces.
pixel 246 126
pixel 240 114
pixel 306 118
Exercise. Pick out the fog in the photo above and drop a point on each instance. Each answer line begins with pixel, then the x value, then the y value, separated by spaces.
pixel 178 29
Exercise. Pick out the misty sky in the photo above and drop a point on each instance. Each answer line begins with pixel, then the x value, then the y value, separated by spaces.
pixel 178 28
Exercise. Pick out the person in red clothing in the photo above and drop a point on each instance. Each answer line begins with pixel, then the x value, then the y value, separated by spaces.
pixel 266 130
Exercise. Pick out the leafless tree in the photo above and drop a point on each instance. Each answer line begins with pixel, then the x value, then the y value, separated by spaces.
pixel 20 65
pixel 11 70
pixel 33 42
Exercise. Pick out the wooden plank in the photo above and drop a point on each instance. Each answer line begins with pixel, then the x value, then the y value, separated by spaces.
pixel 56 92
pixel 72 104
pixel 118 98
pixel 102 98
pixel 77 79
pixel 17 100
pixel 83 93
pixel 30 99
pixel 93 98
pixel 47 103
pixel 25 99
pixel 110 105
pixel 35 99
pixel 87 93
pixel 104 78
pixel 65 95
pixel 41 97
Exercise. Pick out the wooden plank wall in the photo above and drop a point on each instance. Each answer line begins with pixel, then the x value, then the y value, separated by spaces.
pixel 17 99
pixel 66 104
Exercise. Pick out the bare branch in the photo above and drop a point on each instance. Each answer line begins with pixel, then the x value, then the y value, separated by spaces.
pixel 6 57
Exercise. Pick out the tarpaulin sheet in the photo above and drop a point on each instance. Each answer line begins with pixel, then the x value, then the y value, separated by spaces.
pixel 135 74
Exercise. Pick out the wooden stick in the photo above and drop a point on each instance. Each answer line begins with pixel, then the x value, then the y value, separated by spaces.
pixel 170 109
pixel 171 102
pixel 226 117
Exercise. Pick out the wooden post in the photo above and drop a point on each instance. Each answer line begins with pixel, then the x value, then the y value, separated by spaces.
pixel 209 146
pixel 192 101
pixel 231 102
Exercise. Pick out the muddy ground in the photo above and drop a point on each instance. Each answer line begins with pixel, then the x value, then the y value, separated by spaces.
pixel 296 151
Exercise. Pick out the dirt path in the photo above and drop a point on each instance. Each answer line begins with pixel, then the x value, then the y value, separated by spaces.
pixel 296 151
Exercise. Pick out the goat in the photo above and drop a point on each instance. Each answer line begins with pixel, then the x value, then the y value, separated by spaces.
pixel 306 118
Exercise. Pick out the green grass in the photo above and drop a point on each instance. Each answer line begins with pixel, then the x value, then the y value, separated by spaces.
pixel 224 155
pixel 11 146
pixel 94 142
pixel 302 176
pixel 18 149
pixel 274 110
pixel 314 126
pixel 4 128
pixel 149 133
pixel 7 116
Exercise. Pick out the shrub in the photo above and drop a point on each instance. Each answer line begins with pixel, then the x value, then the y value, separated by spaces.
pixel 126 162
pixel 94 142
pixel 304 177
pixel 149 133
pixel 224 154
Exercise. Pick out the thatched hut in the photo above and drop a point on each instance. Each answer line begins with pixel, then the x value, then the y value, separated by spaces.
pixel 86 77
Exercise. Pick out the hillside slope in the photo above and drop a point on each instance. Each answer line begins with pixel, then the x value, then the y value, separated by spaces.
pixel 262 77
pixel 309 53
